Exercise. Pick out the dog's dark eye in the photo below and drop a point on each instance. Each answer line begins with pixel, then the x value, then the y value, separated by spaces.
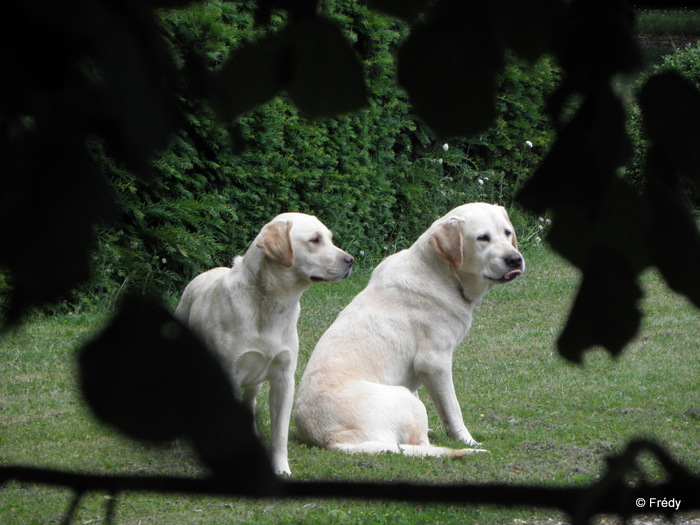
pixel 316 240
pixel 484 238
pixel 508 233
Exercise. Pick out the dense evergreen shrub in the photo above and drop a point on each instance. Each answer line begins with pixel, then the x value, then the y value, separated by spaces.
pixel 377 177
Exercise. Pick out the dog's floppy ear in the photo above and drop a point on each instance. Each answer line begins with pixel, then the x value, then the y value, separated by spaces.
pixel 513 239
pixel 275 241
pixel 447 241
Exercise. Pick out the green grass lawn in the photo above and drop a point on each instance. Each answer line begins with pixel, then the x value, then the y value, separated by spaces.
pixel 544 421
pixel 680 22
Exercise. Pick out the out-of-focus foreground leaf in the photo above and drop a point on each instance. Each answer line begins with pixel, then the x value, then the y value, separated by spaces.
pixel 608 229
pixel 408 10
pixel 150 378
pixel 604 311
pixel 78 70
pixel 310 59
pixel 671 106
pixel 449 65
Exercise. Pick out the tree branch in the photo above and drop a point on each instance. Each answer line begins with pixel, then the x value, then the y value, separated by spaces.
pixel 611 495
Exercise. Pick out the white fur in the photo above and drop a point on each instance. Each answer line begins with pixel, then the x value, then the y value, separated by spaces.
pixel 358 392
pixel 248 314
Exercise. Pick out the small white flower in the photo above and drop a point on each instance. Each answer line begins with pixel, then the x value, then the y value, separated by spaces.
pixel 538 240
pixel 541 219
pixel 481 182
pixel 528 144
pixel 439 161
pixel 548 222
pixel 445 147
pixel 164 260
pixel 362 253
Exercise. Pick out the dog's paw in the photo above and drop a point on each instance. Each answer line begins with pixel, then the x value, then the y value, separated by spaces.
pixel 465 437
pixel 282 469
pixel 469 451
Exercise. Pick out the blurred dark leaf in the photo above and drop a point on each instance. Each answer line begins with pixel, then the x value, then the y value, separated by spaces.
pixel 574 247
pixel 99 67
pixel 604 311
pixel 408 10
pixel 150 378
pixel 134 83
pixel 527 27
pixel 253 74
pixel 169 4
pixel 595 41
pixel 673 238
pixel 37 56
pixel 583 161
pixel 297 9
pixel 310 59
pixel 594 212
pixel 621 220
pixel 77 70
pixel 449 67
pixel 610 247
pixel 47 216
pixel 670 106
pixel 328 79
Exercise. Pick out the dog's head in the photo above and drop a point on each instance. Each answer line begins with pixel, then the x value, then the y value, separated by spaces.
pixel 478 239
pixel 304 245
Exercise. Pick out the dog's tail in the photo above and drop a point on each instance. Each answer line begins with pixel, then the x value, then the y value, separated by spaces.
pixel 377 447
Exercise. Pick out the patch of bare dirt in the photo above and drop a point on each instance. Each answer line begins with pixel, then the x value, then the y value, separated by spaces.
pixel 666 43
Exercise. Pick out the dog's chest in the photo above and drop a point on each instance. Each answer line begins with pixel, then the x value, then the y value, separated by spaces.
pixel 263 360
pixel 267 350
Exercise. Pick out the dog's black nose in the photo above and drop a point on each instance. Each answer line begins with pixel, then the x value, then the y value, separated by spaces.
pixel 513 260
pixel 349 259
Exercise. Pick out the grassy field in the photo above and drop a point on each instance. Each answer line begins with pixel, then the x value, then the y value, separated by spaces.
pixel 544 421
pixel 680 22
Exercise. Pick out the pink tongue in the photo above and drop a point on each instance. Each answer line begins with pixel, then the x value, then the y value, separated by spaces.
pixel 512 274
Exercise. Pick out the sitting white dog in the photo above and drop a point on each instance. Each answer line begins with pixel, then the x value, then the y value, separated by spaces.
pixel 358 391
pixel 248 314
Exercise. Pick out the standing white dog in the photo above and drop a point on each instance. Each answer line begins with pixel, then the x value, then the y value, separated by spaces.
pixel 358 392
pixel 248 314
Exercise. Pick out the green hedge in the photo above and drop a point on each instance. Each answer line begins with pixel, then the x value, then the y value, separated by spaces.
pixel 377 177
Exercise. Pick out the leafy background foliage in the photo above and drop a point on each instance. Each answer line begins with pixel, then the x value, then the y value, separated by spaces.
pixel 377 176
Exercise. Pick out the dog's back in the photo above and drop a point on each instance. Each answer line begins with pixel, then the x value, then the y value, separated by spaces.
pixel 195 290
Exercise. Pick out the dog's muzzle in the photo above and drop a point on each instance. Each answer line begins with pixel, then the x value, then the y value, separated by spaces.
pixel 348 260
pixel 514 261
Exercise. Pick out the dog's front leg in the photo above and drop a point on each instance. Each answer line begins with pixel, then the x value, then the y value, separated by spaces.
pixel 249 401
pixel 281 401
pixel 438 382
